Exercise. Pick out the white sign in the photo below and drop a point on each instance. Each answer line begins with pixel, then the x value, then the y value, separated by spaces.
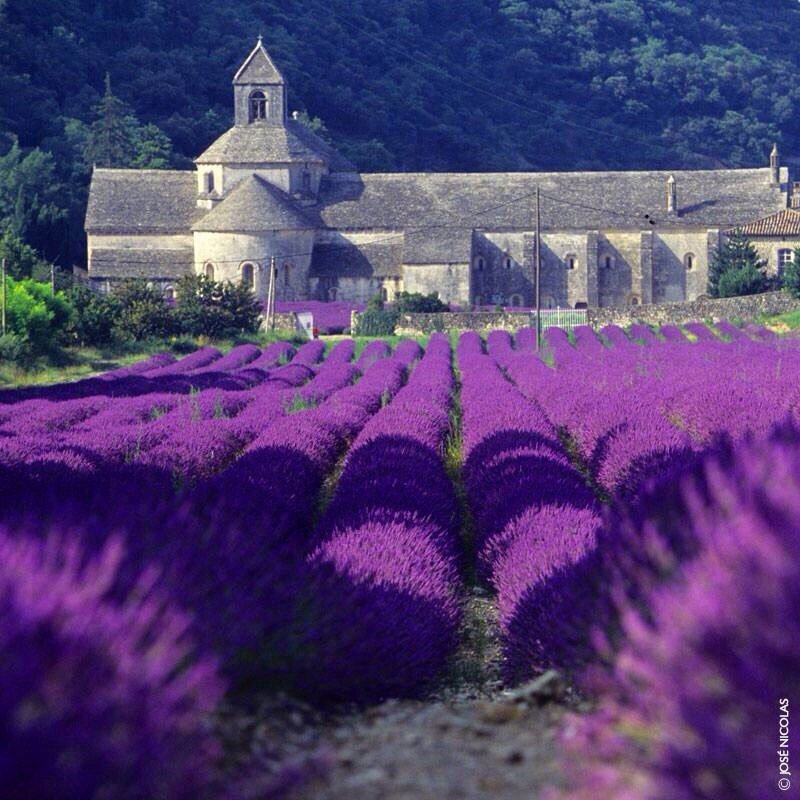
pixel 304 322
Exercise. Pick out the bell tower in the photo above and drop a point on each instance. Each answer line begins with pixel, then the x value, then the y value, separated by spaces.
pixel 259 91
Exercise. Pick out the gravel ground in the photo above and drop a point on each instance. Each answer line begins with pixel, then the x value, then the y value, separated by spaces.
pixel 470 739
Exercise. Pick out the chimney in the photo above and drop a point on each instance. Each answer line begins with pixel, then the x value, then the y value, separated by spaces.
pixel 794 200
pixel 672 195
pixel 775 166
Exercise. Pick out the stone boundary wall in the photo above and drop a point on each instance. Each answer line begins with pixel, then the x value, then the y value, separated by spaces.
pixel 283 322
pixel 734 308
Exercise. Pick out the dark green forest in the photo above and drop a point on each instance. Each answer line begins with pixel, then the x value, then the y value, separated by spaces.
pixel 400 85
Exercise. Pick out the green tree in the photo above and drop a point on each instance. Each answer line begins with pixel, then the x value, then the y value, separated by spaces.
pixel 152 148
pixel 143 312
pixel 95 316
pixel 736 268
pixel 415 302
pixel 209 308
pixel 36 316
pixel 22 261
pixel 110 143
pixel 791 275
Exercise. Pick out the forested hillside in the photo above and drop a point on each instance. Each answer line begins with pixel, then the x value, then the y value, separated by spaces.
pixel 400 84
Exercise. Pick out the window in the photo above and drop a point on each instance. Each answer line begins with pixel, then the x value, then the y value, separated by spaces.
pixel 259 106
pixel 248 275
pixel 385 294
pixel 479 263
pixel 209 270
pixel 581 304
pixel 515 300
pixel 169 294
pixel 608 261
pixel 332 293
pixel 306 182
pixel 632 300
pixel 508 262
pixel 785 257
pixel 688 262
pixel 571 260
pixel 209 182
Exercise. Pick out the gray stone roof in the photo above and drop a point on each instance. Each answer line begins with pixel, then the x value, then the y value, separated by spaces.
pixel 258 68
pixel 438 246
pixel 142 201
pixel 382 258
pixel 570 200
pixel 260 143
pixel 150 264
pixel 255 205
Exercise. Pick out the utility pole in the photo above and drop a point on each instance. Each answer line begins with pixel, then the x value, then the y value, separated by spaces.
pixel 538 271
pixel 3 300
pixel 271 295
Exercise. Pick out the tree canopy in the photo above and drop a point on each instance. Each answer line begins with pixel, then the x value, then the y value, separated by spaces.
pixel 401 85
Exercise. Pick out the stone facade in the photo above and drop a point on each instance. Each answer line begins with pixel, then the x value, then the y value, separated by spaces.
pixel 270 191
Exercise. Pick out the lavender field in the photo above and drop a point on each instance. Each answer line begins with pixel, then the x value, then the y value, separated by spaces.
pixel 181 534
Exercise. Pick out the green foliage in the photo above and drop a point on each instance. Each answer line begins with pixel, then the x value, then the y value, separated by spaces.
pixel 36 316
pixel 22 261
pixel 376 322
pixel 415 302
pixel 736 269
pixel 375 303
pixel 213 309
pixel 143 312
pixel 15 349
pixel 95 319
pixel 790 280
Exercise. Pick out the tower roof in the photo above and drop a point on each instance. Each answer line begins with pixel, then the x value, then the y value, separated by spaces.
pixel 255 205
pixel 258 68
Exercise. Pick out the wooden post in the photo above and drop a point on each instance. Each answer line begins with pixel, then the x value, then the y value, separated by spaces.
pixel 271 295
pixel 3 300
pixel 538 272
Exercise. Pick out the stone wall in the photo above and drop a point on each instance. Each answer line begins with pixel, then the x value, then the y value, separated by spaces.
pixel 283 322
pixel 696 310
pixel 421 324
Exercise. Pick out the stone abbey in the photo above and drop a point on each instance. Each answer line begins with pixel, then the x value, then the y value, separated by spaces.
pixel 269 193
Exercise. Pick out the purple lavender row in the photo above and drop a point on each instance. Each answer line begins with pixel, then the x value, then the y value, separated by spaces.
pixel 385 566
pixel 685 701
pixel 536 520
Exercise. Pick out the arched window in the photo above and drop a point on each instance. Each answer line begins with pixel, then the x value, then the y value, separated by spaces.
pixel 508 262
pixel 259 106
pixel 571 260
pixel 208 182
pixel 332 293
pixel 633 300
pixel 248 275
pixel 479 263
pixel 688 261
pixel 385 294
pixel 515 301
pixel 169 294
pixel 209 270
pixel 287 271
pixel 608 261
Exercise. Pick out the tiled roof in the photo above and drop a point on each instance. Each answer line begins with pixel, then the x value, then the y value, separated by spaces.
pixel 383 258
pixel 253 206
pixel 570 200
pixel 258 68
pixel 142 201
pixel 783 223
pixel 264 142
pixel 130 263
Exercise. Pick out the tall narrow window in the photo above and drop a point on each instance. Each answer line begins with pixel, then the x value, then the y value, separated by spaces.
pixel 259 106
pixel 248 275
pixel 384 295
pixel 209 182
pixel 571 261
pixel 209 271
pixel 785 257
pixel 508 262
pixel 479 263
pixel 688 262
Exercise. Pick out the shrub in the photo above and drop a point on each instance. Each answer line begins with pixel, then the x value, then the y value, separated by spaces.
pixel 791 275
pixel 209 308
pixel 15 349
pixel 95 316
pixel 417 303
pixel 143 312
pixel 97 699
pixel 35 315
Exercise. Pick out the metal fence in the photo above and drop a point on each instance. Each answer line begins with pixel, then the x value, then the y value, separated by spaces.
pixel 561 317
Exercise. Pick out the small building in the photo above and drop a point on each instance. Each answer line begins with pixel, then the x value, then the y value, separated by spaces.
pixel 270 194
